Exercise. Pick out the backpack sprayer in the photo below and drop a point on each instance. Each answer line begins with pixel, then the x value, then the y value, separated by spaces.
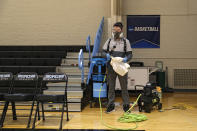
pixel 151 97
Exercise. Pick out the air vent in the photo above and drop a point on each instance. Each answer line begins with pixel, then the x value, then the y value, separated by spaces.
pixel 185 78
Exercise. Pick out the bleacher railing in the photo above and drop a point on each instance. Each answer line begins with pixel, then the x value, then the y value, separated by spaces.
pixel 88 42
pixel 96 47
pixel 81 64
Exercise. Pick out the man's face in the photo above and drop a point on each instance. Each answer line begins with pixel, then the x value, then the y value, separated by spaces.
pixel 116 29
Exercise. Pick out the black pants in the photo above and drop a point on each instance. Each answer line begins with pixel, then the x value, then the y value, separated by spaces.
pixel 112 83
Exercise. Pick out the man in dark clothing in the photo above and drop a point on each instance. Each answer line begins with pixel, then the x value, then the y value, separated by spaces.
pixel 117 46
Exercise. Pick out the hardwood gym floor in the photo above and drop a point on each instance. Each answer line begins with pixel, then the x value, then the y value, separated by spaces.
pixel 183 119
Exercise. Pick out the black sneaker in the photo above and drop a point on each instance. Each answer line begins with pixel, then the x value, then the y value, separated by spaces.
pixel 110 108
pixel 126 108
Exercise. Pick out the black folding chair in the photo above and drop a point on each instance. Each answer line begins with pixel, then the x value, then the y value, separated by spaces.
pixel 43 98
pixel 24 89
pixel 5 84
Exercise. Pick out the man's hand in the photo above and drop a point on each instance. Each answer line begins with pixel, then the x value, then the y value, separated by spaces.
pixel 108 57
pixel 125 60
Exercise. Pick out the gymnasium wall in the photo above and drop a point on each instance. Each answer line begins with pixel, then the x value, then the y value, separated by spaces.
pixel 50 22
pixel 68 22
pixel 178 32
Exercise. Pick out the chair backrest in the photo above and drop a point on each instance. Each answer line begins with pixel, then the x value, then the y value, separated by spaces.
pixel 25 82
pixel 6 76
pixel 54 77
pixel 5 81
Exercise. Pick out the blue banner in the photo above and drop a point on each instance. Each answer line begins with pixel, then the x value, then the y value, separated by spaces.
pixel 143 31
